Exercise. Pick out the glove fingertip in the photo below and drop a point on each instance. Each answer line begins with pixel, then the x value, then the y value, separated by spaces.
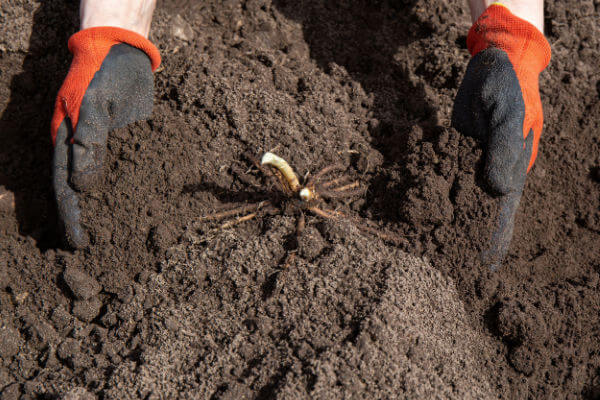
pixel 498 178
pixel 66 199
pixel 69 215
pixel 76 237
pixel 504 176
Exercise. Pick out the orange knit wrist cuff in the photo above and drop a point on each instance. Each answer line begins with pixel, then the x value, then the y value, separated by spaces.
pixel 97 42
pixel 525 45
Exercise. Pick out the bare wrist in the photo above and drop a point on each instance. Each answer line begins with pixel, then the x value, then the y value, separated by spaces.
pixel 133 15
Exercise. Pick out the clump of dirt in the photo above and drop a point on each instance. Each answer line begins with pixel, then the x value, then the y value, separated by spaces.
pixel 159 306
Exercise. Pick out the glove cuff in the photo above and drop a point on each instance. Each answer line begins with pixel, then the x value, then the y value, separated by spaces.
pixel 526 46
pixel 97 41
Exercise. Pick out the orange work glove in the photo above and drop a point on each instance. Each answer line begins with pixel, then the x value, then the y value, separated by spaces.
pixel 109 85
pixel 498 102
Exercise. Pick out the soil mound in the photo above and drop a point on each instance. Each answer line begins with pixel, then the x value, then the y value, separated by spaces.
pixel 360 319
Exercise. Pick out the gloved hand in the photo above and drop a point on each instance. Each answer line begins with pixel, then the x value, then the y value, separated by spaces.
pixel 109 85
pixel 499 103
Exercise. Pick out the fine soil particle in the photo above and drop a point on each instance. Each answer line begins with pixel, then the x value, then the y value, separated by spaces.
pixel 163 306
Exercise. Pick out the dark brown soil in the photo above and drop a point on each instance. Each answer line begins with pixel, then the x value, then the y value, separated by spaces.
pixel 160 306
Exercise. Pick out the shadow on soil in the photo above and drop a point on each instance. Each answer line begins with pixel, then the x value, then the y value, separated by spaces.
pixel 26 151
pixel 365 37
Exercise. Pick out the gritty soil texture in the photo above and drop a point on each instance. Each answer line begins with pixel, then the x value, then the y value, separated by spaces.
pixel 162 306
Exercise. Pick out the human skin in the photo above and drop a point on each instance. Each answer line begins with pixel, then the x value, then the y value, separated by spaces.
pixel 136 15
pixel 531 11
pixel 133 15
